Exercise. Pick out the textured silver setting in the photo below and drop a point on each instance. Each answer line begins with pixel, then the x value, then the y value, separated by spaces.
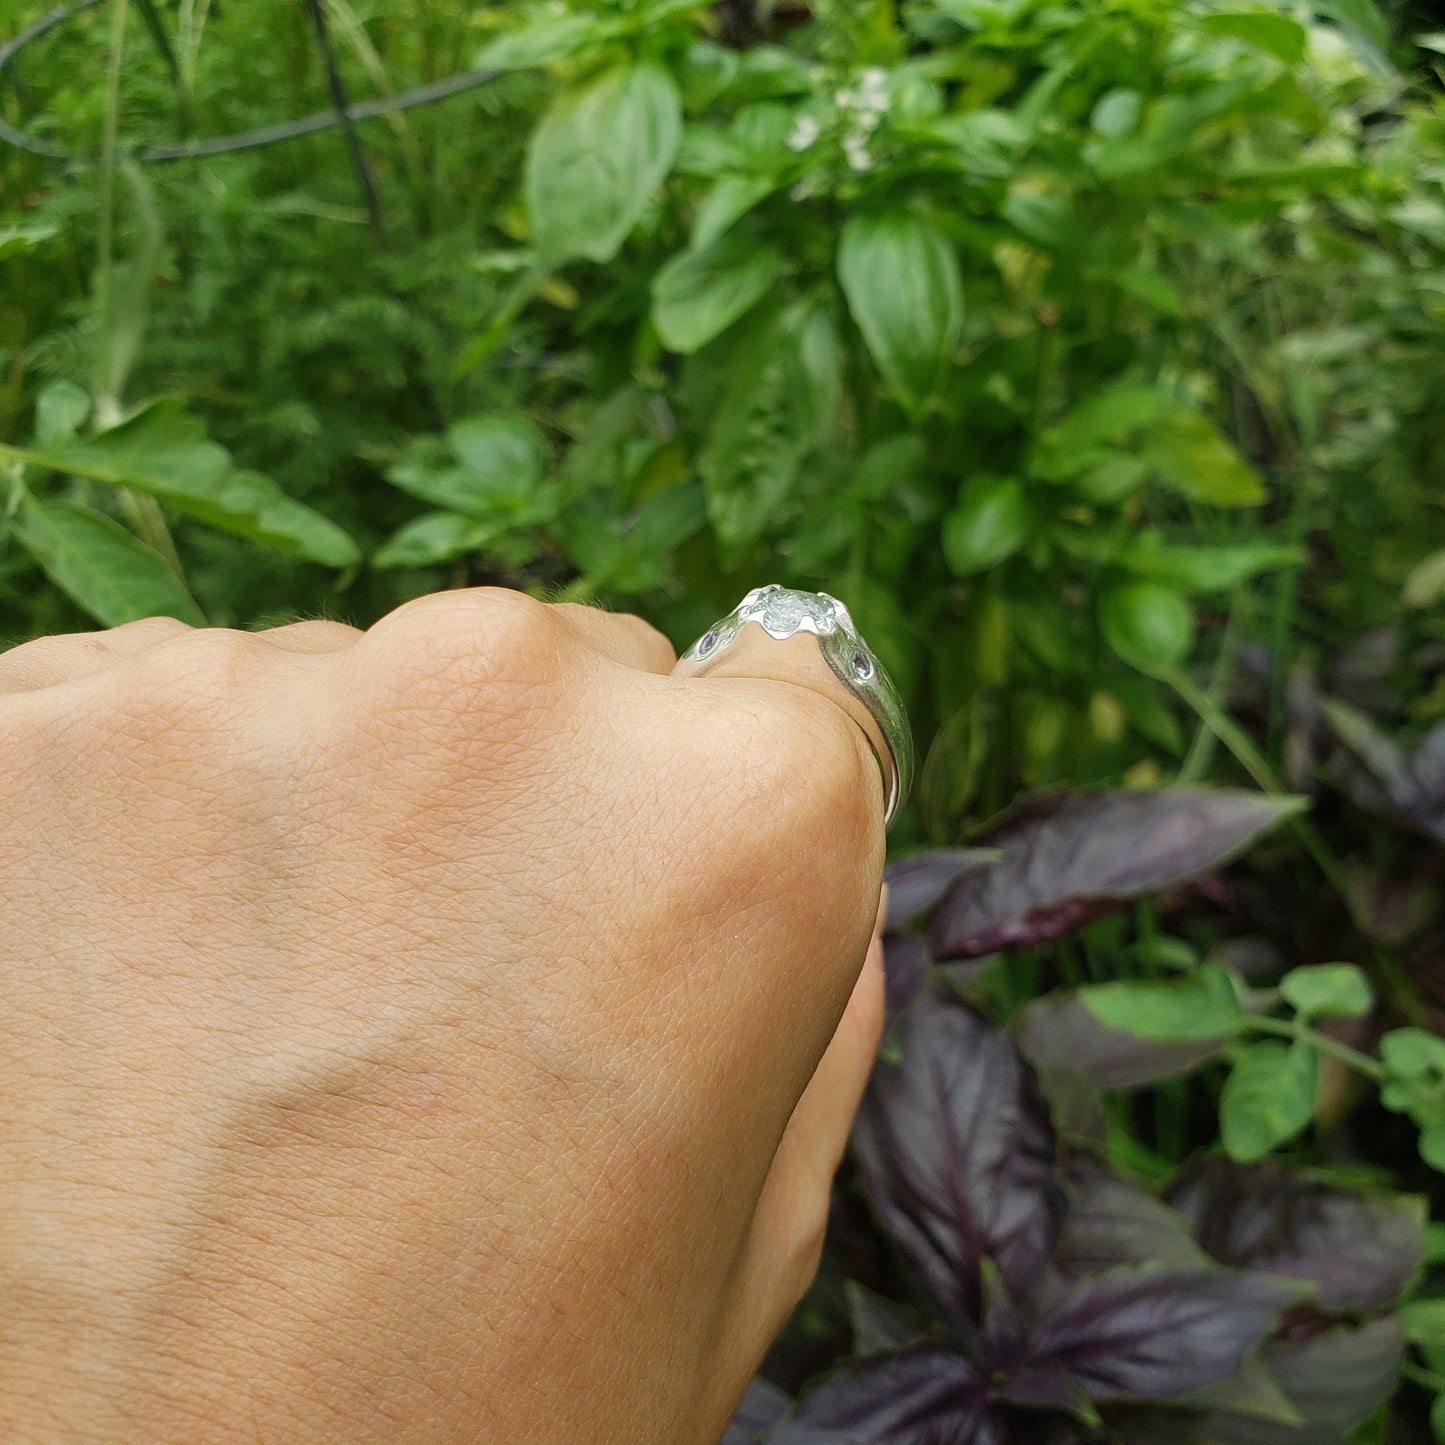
pixel 782 613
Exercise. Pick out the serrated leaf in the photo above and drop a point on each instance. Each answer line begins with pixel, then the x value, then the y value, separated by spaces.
pixel 1328 990
pixel 1269 1097
pixel 700 293
pixel 1136 1334
pixel 597 159
pixel 905 291
pixel 161 452
pixel 100 566
pixel 956 1153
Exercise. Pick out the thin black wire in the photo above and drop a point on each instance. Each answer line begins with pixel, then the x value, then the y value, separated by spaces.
pixel 243 140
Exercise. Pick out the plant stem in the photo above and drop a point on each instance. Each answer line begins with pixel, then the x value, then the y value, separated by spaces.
pixel 106 199
pixel 1427 1379
pixel 1363 1063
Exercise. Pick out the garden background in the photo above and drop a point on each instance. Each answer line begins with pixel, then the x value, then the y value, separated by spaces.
pixel 1093 352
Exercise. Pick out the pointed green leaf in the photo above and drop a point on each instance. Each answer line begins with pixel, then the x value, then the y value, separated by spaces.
pixel 100 566
pixel 1191 455
pixel 905 291
pixel 431 538
pixel 990 522
pixel 1202 1006
pixel 729 198
pixel 161 452
pixel 597 159
pixel 1266 30
pixel 698 294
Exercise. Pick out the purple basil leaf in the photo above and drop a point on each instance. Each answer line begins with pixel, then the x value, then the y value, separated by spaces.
pixel 926 1395
pixel 916 884
pixel 1148 1334
pixel 1049 1388
pixel 880 1323
pixel 1359 1249
pixel 1060 1032
pixel 1374 772
pixel 1113 1222
pixel 905 970
pixel 762 1407
pixel 956 1152
pixel 1070 857
pixel 1336 1380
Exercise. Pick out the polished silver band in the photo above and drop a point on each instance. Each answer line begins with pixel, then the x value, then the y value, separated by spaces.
pixel 783 613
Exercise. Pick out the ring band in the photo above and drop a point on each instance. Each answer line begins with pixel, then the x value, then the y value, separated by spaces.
pixel 783 613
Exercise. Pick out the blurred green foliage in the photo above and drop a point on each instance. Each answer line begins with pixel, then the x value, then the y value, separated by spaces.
pixel 1069 344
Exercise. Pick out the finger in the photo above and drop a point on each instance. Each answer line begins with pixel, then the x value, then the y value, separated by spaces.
pixel 792 1215
pixel 798 661
pixel 622 636
pixel 49 661
pixel 317 636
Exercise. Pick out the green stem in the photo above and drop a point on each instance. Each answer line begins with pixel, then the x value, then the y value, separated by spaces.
pixel 1363 1063
pixel 1427 1379
pixel 103 267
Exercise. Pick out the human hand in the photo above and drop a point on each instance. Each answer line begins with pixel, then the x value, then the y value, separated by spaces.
pixel 408 1035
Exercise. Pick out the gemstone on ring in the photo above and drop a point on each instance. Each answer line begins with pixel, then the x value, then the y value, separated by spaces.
pixel 782 613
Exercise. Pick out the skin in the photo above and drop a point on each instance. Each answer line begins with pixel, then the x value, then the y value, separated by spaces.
pixel 446 1032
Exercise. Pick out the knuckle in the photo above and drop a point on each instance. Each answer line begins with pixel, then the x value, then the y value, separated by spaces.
pixel 465 648
pixel 205 674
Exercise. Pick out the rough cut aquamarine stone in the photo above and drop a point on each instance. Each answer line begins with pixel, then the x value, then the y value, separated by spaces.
pixel 783 612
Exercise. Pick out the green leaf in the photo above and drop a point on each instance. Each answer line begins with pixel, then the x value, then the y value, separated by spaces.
pixel 784 384
pixel 1412 1053
pixel 698 294
pixel 729 198
pixel 1432 1146
pixel 504 456
pixel 431 538
pixel 17 240
pixel 984 143
pixel 1191 455
pixel 1425 586
pixel 1116 113
pixel 161 452
pixel 1328 990
pixel 60 411
pixel 1359 15
pixel 542 38
pixel 1149 626
pixel 1268 1098
pixel 597 159
pixel 905 291
pixel 1100 424
pixel 887 467
pixel 990 522
pixel 1266 30
pixel 100 566
pixel 1204 569
pixel 1423 1321
pixel 1202 1005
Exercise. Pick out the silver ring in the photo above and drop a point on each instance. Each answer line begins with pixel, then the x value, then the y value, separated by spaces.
pixel 783 613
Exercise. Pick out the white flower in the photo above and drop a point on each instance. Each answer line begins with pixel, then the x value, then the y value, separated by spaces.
pixel 873 82
pixel 804 133
pixel 855 147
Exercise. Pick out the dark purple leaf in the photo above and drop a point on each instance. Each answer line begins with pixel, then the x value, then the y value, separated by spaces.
pixel 1360 1250
pixel 1141 1334
pixel 1336 1380
pixel 1112 1222
pixel 926 1395
pixel 956 1152
pixel 1060 1032
pixel 762 1407
pixel 1375 772
pixel 905 970
pixel 1070 857
pixel 916 884
pixel 1050 1388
